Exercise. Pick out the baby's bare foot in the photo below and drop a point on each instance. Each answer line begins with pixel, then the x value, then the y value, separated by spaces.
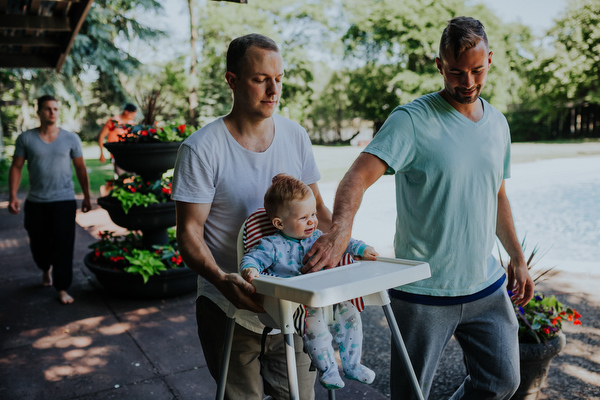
pixel 64 297
pixel 47 278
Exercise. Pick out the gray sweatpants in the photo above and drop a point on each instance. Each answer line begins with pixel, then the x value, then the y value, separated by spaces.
pixel 486 330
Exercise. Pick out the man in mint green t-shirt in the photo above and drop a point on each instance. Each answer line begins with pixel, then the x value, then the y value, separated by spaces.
pixel 450 153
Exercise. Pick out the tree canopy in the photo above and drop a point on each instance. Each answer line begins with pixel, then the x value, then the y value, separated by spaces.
pixel 346 63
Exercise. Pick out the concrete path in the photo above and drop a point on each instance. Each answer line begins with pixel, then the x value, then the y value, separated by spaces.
pixel 102 346
pixel 106 347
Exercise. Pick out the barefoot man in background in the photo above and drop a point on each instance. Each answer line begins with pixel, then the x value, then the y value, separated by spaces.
pixel 50 206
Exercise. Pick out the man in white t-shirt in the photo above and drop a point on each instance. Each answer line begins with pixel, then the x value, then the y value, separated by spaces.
pixel 221 175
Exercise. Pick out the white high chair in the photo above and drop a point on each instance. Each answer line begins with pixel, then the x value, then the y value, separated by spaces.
pixel 367 279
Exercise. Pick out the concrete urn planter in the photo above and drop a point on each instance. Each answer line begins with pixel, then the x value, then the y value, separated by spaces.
pixel 535 359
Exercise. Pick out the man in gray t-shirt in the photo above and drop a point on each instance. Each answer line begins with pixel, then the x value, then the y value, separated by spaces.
pixel 221 176
pixel 50 206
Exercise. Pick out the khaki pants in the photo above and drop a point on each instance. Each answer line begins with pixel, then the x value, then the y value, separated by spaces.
pixel 245 369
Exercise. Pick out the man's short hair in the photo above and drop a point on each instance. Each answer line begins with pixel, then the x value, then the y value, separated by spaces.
pixel 130 107
pixel 239 46
pixel 284 189
pixel 461 34
pixel 45 98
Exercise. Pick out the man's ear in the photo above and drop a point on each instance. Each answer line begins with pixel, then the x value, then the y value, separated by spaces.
pixel 277 223
pixel 438 64
pixel 231 79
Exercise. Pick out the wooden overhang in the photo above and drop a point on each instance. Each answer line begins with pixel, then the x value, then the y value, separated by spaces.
pixel 39 33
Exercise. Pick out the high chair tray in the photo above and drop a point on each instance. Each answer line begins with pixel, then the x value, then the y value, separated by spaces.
pixel 323 288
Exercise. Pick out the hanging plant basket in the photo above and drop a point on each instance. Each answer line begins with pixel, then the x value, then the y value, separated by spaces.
pixel 153 219
pixel 150 160
pixel 152 216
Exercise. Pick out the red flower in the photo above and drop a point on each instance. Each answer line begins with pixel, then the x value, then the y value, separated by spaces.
pixel 152 130
pixel 577 322
pixel 111 125
pixel 181 128
pixel 576 314
pixel 144 133
pixel 546 330
pixel 166 190
pixel 132 190
pixel 555 320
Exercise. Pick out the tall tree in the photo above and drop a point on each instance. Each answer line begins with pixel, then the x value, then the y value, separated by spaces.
pixel 569 73
pixel 395 42
pixel 192 117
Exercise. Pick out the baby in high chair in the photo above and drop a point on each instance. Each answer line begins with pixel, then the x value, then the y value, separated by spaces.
pixel 291 207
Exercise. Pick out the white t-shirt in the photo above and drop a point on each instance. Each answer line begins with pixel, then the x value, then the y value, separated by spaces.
pixel 213 168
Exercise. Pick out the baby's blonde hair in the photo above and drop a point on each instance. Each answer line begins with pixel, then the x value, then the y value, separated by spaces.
pixel 284 189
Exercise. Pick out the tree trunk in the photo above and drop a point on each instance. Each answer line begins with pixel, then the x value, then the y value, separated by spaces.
pixel 193 94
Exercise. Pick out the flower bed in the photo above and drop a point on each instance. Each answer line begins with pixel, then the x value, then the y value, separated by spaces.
pixel 135 191
pixel 144 133
pixel 125 253
pixel 541 319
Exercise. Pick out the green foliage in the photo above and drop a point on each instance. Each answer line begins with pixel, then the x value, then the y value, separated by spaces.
pixel 134 191
pixel 130 199
pixel 125 253
pixel 398 42
pixel 569 72
pixel 144 262
pixel 541 319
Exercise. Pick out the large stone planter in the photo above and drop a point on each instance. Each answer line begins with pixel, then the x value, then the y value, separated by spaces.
pixel 535 362
pixel 172 282
pixel 152 220
pixel 150 160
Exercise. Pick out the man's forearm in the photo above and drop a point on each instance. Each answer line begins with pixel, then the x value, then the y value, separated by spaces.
pixel 14 179
pixel 197 256
pixel 506 232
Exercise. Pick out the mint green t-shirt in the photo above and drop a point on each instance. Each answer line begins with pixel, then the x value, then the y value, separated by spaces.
pixel 448 171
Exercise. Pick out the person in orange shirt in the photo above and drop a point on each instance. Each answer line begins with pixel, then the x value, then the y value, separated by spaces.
pixel 112 130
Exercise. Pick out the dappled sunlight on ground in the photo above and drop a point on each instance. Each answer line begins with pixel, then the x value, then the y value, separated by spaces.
pixel 80 362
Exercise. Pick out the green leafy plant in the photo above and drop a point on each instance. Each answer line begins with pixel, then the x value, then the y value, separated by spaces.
pixel 541 319
pixel 135 191
pixel 126 253
pixel 145 263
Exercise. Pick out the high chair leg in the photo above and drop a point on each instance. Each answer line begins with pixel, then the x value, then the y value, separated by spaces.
pixel 403 353
pixel 290 355
pixel 225 359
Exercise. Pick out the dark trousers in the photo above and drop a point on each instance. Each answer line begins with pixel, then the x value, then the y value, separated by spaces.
pixel 51 230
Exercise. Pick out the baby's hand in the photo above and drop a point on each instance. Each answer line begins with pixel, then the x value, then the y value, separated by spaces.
pixel 250 273
pixel 370 254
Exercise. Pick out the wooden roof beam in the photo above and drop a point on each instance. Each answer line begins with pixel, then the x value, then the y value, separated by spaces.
pixel 30 41
pixel 30 60
pixel 78 12
pixel 34 22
